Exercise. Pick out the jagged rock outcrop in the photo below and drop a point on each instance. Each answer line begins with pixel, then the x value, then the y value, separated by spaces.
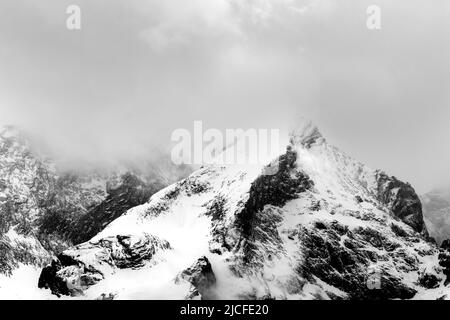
pixel 201 277
pixel 75 270
pixel 130 193
pixel 347 266
pixel 401 198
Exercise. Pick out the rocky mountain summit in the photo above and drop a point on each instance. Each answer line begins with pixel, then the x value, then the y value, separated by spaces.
pixel 320 226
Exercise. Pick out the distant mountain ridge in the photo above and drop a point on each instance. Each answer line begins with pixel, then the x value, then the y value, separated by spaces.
pixel 44 210
pixel 436 207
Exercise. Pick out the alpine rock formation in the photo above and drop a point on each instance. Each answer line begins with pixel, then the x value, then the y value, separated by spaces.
pixel 320 226
pixel 44 210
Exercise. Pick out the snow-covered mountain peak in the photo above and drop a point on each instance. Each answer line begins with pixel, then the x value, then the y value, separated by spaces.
pixel 305 134
pixel 314 228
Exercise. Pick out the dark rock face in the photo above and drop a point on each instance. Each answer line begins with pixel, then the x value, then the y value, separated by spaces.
pixel 201 276
pixel 444 260
pixel 132 192
pixel 429 281
pixel 348 267
pixel 73 271
pixel 49 279
pixel 398 230
pixel 401 198
pixel 275 189
pixel 446 245
pixel 67 276
pixel 6 257
pixel 79 227
pixel 255 225
pixel 278 188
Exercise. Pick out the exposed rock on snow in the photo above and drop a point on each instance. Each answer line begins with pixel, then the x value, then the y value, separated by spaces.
pixel 77 269
pixel 201 276
pixel 402 200
pixel 429 281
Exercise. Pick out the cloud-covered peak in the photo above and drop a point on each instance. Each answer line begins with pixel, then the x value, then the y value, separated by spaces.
pixel 306 134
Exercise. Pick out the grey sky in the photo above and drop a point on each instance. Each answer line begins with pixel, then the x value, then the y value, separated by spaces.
pixel 139 69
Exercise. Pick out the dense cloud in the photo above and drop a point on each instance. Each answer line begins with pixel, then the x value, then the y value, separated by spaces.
pixel 137 70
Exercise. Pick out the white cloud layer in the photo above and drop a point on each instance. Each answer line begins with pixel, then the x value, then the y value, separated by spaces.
pixel 140 69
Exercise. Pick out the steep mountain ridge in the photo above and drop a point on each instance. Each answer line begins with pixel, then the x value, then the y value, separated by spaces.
pixel 313 224
pixel 25 181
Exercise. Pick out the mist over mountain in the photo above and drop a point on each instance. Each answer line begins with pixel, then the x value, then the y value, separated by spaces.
pixel 120 86
pixel 92 205
pixel 436 208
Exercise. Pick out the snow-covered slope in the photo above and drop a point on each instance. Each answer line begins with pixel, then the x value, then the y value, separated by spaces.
pixel 44 210
pixel 312 224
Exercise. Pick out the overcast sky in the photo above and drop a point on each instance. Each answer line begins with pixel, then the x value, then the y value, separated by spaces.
pixel 137 70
